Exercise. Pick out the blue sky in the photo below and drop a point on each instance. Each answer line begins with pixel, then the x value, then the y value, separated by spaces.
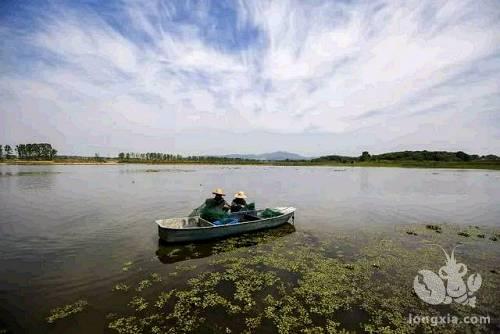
pixel 218 77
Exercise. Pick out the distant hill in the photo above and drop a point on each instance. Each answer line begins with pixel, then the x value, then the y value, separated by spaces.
pixel 274 156
pixel 410 156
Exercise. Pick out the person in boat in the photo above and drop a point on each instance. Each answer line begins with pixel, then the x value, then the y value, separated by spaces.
pixel 239 202
pixel 215 208
pixel 217 202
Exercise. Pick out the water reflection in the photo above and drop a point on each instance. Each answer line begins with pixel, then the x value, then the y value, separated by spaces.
pixel 33 173
pixel 156 170
pixel 36 181
pixel 172 253
pixel 28 179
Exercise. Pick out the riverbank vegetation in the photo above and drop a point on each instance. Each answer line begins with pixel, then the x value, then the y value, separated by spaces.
pixel 45 154
pixel 415 159
pixel 29 152
pixel 42 151
pixel 416 156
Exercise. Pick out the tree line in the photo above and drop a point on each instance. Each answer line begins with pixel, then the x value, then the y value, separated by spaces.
pixel 364 157
pixel 155 156
pixel 6 152
pixel 35 151
pixel 411 156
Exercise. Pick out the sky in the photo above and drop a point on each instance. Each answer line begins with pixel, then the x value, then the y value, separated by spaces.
pixel 218 77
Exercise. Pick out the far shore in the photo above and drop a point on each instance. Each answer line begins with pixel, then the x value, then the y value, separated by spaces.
pixel 47 162
pixel 487 165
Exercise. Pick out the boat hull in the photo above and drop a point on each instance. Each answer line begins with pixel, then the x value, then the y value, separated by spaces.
pixel 190 234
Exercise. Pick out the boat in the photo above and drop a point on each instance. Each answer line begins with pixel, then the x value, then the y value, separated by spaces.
pixel 189 229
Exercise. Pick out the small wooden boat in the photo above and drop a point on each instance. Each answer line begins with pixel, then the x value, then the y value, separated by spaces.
pixel 195 228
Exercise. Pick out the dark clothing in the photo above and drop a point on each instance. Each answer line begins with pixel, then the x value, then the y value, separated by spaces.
pixel 214 209
pixel 216 203
pixel 238 204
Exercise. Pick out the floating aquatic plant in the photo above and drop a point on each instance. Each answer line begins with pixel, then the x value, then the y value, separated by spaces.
pixel 144 284
pixel 121 287
pixel 138 303
pixel 155 277
pixel 67 310
pixel 186 267
pixel 127 265
pixel 301 285
pixel 163 298
pixel 128 325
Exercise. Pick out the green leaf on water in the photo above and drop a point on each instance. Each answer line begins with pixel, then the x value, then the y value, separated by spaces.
pixel 121 287
pixel 138 303
pixel 67 310
pixel 144 284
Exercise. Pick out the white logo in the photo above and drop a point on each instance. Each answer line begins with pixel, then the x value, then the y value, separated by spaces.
pixel 449 285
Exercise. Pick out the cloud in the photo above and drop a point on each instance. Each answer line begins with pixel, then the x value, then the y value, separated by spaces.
pixel 364 72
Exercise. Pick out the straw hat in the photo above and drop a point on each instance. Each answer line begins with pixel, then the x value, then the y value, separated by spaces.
pixel 240 194
pixel 218 191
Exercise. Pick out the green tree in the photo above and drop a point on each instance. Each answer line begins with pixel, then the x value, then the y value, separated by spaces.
pixel 8 152
pixel 1 152
pixel 45 151
pixel 97 158
pixel 365 156
pixel 463 156
pixel 53 153
pixel 29 151
pixel 21 151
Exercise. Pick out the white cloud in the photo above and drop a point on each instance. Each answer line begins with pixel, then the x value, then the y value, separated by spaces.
pixel 335 67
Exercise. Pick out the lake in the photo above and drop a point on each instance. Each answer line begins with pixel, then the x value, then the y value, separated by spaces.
pixel 74 232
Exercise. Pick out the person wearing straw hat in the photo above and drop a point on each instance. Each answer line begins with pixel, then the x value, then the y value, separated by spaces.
pixel 239 201
pixel 217 202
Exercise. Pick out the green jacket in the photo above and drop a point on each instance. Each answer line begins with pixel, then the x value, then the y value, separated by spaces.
pixel 214 209
pixel 215 203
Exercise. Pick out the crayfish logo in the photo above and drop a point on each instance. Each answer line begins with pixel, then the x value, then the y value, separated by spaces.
pixel 448 285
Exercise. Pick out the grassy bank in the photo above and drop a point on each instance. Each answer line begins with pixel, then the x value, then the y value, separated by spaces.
pixel 491 165
pixel 59 162
pixel 495 165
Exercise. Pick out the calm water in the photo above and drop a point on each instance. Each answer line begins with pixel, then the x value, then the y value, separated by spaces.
pixel 65 231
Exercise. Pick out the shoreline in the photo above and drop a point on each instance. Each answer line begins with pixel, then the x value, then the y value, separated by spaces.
pixel 48 163
pixel 403 164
